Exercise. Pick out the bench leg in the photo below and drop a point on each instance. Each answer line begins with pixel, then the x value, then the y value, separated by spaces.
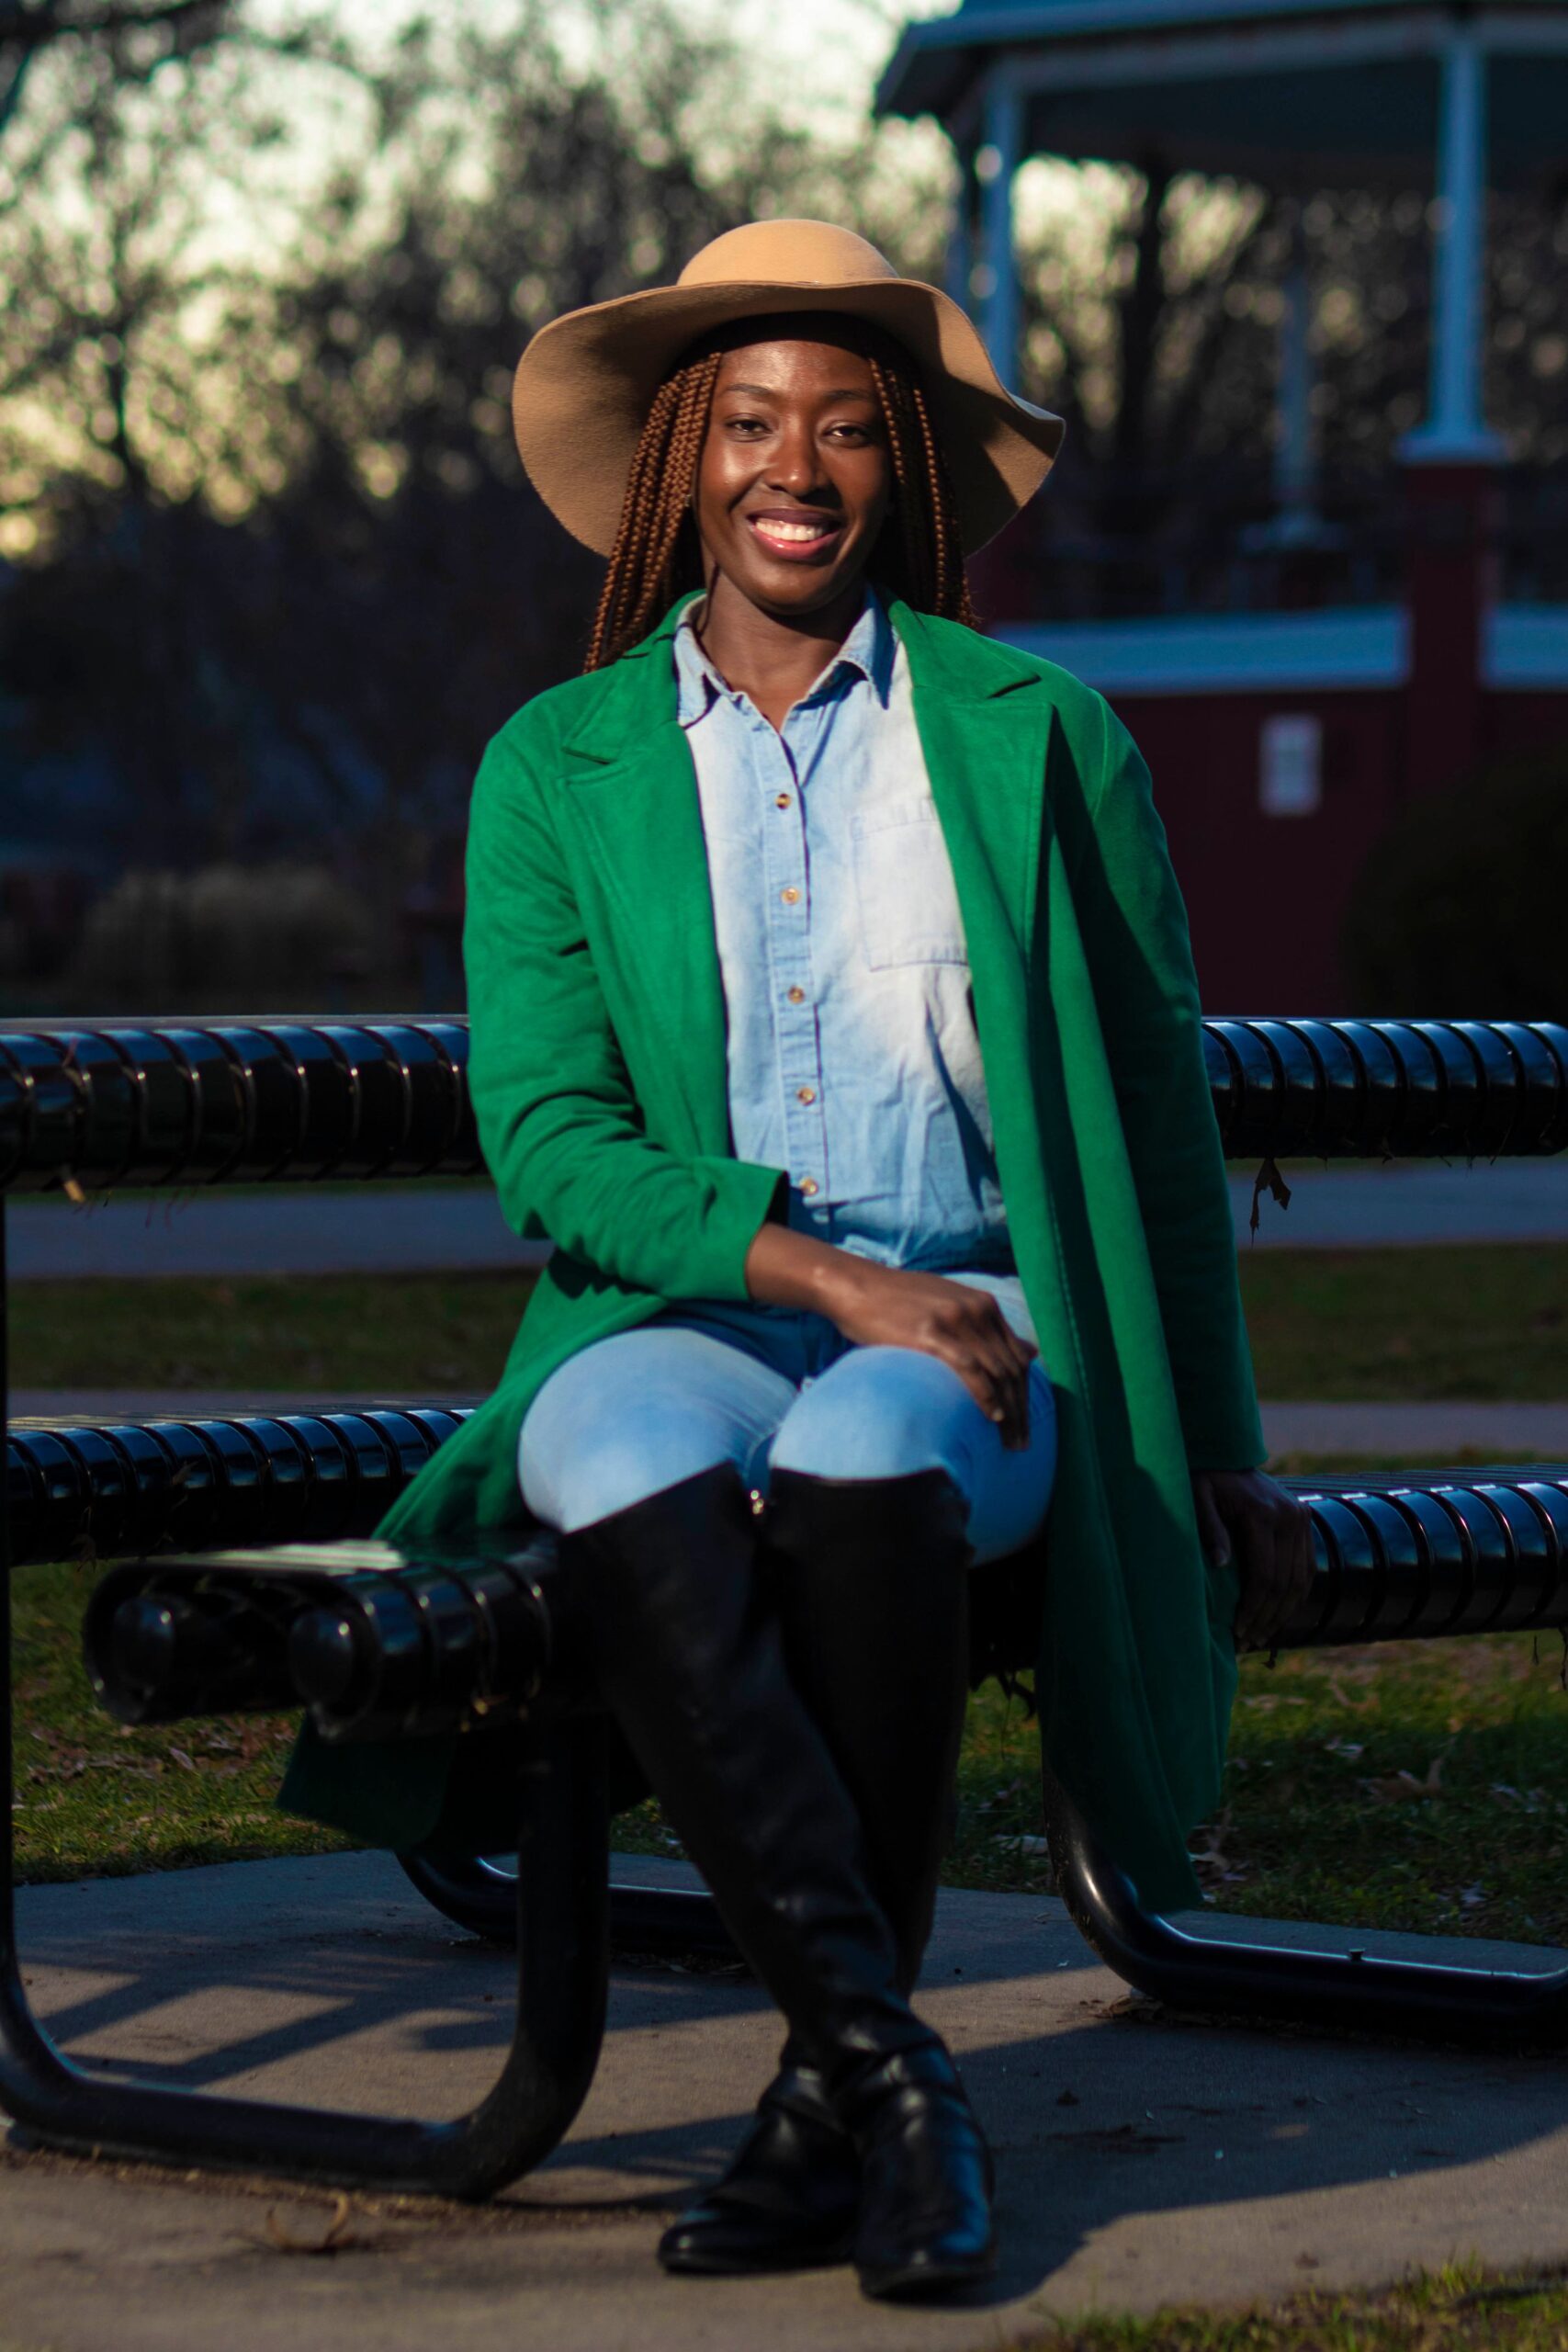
pixel 562 1973
pixel 1447 1999
pixel 563 1967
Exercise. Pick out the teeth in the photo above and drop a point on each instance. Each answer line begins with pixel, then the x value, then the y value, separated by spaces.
pixel 793 530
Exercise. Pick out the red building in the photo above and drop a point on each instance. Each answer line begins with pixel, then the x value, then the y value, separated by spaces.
pixel 1287 736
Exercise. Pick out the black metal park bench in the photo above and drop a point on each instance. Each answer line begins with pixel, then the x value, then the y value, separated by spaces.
pixel 245 1580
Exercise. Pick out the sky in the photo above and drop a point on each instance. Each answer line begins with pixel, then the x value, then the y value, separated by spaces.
pixel 826 53
pixel 819 59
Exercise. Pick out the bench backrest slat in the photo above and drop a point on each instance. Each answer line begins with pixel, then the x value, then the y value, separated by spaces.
pixel 193 1102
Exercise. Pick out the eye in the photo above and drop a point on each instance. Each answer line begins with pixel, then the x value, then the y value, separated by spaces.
pixel 750 426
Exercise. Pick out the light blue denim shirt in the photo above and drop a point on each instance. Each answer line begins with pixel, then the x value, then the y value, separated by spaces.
pixel 853 1057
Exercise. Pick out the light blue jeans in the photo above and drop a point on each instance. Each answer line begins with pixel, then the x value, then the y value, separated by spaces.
pixel 768 1388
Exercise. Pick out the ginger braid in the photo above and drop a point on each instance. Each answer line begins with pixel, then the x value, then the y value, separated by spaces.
pixel 935 580
pixel 920 556
pixel 646 571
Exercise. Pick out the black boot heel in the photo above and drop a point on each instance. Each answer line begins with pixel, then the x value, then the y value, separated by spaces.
pixel 926 2226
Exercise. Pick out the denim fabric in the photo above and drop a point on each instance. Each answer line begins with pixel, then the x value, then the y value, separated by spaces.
pixel 853 1057
pixel 712 1382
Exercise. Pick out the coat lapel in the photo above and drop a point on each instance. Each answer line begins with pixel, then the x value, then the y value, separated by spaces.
pixel 984 715
pixel 633 794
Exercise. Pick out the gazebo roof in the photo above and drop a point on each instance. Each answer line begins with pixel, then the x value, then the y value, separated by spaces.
pixel 1289 93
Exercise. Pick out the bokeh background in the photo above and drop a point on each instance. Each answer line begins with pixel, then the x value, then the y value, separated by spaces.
pixel 270 574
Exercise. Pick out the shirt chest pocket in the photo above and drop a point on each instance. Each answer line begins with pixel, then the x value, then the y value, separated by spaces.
pixel 908 908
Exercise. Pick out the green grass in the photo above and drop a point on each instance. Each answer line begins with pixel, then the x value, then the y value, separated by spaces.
pixel 1458 2310
pixel 97 1800
pixel 1395 1324
pixel 396 1334
pixel 1417 1784
pixel 1482 1322
pixel 1331 1809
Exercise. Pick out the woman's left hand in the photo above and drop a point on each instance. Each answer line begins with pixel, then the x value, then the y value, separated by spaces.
pixel 1248 1516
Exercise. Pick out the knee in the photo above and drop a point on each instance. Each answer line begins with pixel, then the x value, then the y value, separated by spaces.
pixel 880 1413
pixel 571 1477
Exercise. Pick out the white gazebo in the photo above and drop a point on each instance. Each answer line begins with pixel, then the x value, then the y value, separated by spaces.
pixel 1333 714
pixel 1292 95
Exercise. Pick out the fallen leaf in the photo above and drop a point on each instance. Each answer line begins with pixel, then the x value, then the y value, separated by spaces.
pixel 334 2239
pixel 1404 1788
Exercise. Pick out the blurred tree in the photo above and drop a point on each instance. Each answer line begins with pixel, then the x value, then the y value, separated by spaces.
pixel 138 34
pixel 277 567
pixel 428 590
pixel 134 315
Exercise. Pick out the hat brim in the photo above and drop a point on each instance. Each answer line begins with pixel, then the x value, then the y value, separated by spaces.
pixel 584 385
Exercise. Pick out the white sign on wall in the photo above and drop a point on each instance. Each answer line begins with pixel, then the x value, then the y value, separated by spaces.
pixel 1289 764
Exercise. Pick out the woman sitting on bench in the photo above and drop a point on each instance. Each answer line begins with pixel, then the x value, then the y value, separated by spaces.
pixel 832 1012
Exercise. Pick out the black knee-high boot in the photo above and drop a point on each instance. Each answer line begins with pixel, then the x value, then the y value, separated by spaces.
pixel 689 1658
pixel 869 1577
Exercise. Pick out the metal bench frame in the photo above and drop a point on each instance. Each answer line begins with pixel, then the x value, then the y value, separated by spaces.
pixel 211 1103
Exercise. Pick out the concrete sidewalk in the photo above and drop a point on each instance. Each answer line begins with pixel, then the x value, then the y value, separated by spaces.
pixel 1141 2162
pixel 1502 1429
pixel 305 1229
pixel 298 1229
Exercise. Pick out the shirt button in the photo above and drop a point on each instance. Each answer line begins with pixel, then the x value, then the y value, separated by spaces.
pixel 797 996
pixel 805 1094
pixel 789 896
pixel 782 800
pixel 808 1184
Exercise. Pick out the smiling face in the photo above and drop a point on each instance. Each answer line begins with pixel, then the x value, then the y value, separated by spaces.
pixel 794 479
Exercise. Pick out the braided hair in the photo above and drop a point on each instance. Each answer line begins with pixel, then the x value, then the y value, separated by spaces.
pixel 657 554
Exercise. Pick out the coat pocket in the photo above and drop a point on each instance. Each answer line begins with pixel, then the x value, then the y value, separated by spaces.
pixel 908 907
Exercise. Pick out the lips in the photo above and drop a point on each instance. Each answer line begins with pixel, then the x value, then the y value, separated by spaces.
pixel 794 536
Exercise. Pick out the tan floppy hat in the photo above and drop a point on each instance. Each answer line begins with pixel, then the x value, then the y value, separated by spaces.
pixel 585 383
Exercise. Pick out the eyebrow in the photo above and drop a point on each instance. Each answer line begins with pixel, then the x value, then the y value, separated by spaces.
pixel 772 392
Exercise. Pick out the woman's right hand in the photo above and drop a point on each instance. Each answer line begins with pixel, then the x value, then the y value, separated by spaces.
pixel 890 1307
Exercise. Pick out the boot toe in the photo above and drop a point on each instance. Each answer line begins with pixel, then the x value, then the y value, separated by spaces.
pixel 788 2201
pixel 732 2240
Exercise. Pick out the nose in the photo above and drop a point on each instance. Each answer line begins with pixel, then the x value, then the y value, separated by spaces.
pixel 795 466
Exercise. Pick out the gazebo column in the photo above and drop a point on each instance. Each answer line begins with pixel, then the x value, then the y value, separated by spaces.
pixel 1455 428
pixel 959 265
pixel 994 279
pixel 1296 463
pixel 1452 459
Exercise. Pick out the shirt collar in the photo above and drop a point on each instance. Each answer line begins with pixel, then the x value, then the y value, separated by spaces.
pixel 869 651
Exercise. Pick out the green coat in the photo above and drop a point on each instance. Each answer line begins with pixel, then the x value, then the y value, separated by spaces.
pixel 599 1083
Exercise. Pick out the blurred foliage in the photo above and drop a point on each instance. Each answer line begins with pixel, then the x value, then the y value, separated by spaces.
pixel 277 573
pixel 136 36
pixel 1456 911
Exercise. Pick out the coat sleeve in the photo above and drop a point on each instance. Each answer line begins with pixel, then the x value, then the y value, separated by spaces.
pixel 561 1130
pixel 1136 936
